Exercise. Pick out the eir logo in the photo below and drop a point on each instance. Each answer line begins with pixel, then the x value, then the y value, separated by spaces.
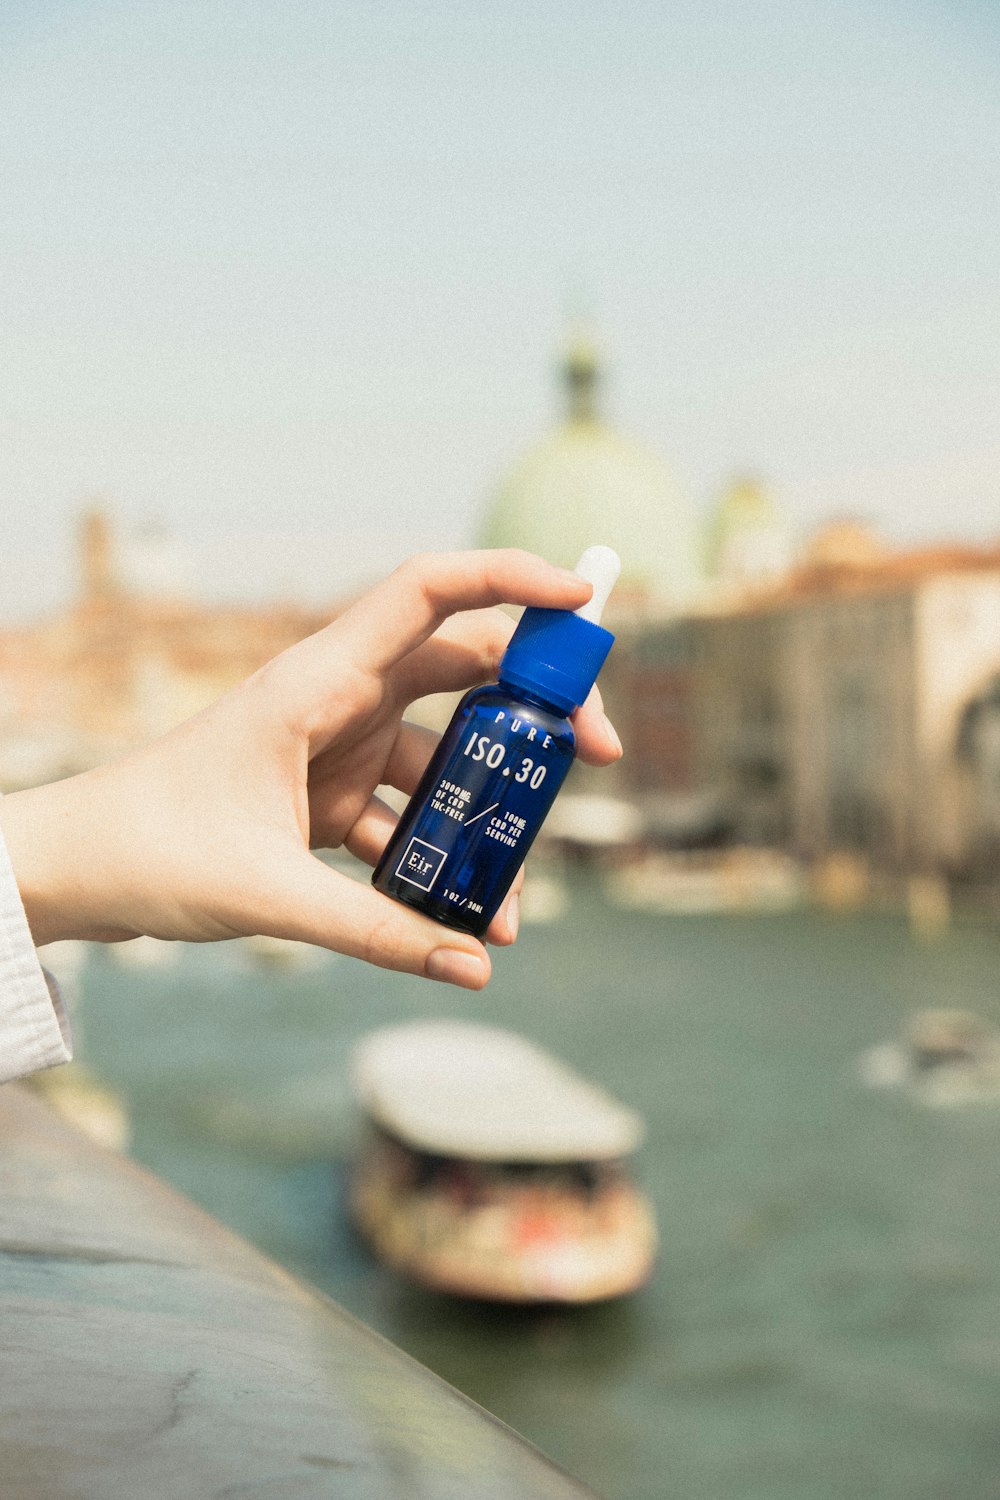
pixel 421 864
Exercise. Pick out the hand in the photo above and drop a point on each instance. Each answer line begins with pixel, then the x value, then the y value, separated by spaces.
pixel 205 833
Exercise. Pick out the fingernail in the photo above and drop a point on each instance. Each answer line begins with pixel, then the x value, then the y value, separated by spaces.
pixel 452 966
pixel 513 915
pixel 611 732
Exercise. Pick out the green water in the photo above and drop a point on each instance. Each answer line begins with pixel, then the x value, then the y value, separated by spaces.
pixel 825 1319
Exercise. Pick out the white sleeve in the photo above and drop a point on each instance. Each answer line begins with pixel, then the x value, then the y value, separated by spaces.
pixel 34 1031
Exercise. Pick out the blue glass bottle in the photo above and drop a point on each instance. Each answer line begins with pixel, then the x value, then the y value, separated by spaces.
pixel 501 761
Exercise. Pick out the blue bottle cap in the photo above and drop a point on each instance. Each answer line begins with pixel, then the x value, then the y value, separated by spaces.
pixel 557 655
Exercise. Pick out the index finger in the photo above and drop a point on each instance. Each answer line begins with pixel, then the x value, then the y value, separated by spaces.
pixel 408 606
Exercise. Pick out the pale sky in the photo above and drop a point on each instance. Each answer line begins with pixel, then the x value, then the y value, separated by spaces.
pixel 289 276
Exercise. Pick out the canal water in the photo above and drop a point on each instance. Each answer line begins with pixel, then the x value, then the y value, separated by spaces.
pixel 824 1323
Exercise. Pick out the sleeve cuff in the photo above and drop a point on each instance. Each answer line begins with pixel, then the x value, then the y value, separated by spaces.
pixel 34 1029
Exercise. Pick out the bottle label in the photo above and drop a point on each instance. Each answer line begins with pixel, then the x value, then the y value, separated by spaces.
pixel 484 797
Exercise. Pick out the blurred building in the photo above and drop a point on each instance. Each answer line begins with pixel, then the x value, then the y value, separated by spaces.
pixel 128 659
pixel 843 700
pixel 847 700
pixel 853 705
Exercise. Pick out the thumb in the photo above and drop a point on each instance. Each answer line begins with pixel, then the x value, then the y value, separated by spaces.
pixel 314 904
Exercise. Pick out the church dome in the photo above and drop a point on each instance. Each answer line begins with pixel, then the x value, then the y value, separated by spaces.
pixel 584 484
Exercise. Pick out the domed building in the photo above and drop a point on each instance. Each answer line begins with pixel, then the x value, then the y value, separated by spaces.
pixel 747 541
pixel 585 483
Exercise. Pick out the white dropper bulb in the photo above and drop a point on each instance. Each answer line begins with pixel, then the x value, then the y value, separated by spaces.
pixel 599 566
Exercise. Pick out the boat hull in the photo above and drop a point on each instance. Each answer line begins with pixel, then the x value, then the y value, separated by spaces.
pixel 503 1234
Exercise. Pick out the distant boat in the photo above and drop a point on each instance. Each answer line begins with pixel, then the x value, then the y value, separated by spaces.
pixel 592 822
pixel 945 1057
pixel 491 1170
pixel 708 882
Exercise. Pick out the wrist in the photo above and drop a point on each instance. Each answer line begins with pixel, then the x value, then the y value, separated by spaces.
pixel 42 830
pixel 30 838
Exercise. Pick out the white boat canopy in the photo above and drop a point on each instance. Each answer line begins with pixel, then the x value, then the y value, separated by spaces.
pixel 455 1088
pixel 582 818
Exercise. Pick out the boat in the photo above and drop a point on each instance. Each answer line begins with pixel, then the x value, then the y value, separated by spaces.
pixel 491 1170
pixel 587 821
pixel 709 882
pixel 945 1057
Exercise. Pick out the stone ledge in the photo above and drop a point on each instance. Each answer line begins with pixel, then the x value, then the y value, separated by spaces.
pixel 147 1351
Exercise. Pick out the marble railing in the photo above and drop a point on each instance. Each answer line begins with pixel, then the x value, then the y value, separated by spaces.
pixel 148 1353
